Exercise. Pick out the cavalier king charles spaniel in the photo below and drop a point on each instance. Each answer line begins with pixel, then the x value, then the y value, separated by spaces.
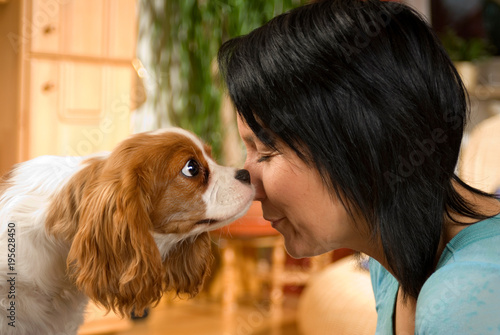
pixel 119 228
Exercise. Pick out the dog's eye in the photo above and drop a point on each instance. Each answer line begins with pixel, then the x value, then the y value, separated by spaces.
pixel 191 169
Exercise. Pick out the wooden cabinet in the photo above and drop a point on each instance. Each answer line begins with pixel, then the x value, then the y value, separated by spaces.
pixel 65 86
pixel 78 76
pixel 10 14
pixel 89 28
pixel 77 108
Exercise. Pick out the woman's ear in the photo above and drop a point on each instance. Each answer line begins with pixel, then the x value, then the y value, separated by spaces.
pixel 188 264
pixel 114 258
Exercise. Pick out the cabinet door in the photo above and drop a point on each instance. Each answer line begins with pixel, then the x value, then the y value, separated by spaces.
pixel 80 108
pixel 77 108
pixel 95 121
pixel 44 27
pixel 42 119
pixel 91 28
pixel 79 79
pixel 83 33
pixel 72 27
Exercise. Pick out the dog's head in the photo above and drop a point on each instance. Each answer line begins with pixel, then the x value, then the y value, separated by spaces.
pixel 143 215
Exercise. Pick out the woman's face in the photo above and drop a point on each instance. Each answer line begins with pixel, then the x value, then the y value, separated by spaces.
pixel 295 200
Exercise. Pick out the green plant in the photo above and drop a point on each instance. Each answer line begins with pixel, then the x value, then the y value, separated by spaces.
pixel 186 35
pixel 460 49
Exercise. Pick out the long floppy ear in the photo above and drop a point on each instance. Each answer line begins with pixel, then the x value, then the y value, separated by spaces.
pixel 187 266
pixel 114 258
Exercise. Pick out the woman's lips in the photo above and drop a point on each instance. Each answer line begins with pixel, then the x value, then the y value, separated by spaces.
pixel 274 222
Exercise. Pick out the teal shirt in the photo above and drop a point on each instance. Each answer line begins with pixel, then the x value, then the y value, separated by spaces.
pixel 461 297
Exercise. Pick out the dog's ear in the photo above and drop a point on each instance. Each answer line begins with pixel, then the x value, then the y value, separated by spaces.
pixel 187 266
pixel 113 257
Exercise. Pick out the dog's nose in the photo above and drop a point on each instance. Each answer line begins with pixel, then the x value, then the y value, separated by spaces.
pixel 243 176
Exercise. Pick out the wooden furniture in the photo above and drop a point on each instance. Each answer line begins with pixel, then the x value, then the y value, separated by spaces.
pixel 66 86
pixel 69 76
pixel 79 76
pixel 10 16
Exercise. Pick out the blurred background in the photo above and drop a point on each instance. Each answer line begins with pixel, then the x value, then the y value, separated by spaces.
pixel 78 76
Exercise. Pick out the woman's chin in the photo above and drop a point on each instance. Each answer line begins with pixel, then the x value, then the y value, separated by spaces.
pixel 298 251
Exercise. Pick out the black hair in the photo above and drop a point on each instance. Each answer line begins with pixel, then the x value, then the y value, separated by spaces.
pixel 363 91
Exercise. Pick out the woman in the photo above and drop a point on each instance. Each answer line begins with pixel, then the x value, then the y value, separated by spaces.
pixel 352 115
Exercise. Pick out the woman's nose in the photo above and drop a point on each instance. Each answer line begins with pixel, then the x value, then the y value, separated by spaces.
pixel 260 195
pixel 256 179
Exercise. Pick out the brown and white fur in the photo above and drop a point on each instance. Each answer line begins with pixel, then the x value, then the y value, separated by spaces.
pixel 119 228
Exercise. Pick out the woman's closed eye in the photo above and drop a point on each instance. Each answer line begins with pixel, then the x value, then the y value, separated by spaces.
pixel 264 157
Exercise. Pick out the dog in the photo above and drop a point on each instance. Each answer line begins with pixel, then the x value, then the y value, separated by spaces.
pixel 119 228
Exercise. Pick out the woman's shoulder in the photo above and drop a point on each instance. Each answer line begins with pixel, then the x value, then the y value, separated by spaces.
pixel 478 243
pixel 461 298
pixel 463 295
pixel 384 284
pixel 380 277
